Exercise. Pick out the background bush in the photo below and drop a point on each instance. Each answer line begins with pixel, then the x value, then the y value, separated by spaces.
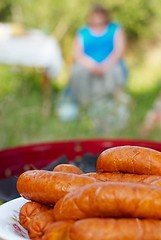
pixel 22 116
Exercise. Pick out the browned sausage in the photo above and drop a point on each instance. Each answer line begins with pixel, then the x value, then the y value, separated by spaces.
pixel 68 168
pixel 47 186
pixel 116 229
pixel 39 224
pixel 130 159
pixel 29 210
pixel 58 231
pixel 110 199
pixel 126 177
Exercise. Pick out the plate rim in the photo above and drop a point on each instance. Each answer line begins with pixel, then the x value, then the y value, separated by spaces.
pixel 7 210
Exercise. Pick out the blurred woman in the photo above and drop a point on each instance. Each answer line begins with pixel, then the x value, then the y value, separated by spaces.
pixel 99 69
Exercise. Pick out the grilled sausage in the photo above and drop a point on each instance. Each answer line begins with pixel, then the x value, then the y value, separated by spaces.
pixel 48 186
pixel 110 199
pixel 39 224
pixel 116 229
pixel 68 168
pixel 130 159
pixel 29 210
pixel 126 177
pixel 58 231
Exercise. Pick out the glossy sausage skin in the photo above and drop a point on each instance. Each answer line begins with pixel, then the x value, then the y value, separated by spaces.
pixel 29 210
pixel 48 186
pixel 130 159
pixel 58 231
pixel 39 224
pixel 126 177
pixel 116 229
pixel 110 199
pixel 68 168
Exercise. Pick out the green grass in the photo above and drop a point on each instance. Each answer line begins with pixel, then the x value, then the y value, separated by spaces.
pixel 23 119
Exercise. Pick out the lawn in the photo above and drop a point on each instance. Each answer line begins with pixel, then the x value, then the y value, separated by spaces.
pixel 23 117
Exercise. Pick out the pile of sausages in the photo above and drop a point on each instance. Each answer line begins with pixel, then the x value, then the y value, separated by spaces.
pixel 120 201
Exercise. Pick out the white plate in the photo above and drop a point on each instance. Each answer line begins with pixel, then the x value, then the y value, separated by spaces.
pixel 10 229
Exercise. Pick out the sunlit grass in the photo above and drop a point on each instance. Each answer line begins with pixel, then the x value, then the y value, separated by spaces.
pixel 142 81
pixel 145 74
pixel 22 118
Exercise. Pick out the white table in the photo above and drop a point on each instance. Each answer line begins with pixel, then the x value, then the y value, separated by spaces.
pixel 33 49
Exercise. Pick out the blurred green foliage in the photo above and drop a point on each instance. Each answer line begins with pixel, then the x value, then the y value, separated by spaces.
pixel 140 18
pixel 22 118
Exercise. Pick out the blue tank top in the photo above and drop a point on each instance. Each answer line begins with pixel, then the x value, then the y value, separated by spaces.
pixel 98 47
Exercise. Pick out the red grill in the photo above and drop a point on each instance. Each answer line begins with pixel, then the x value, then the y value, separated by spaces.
pixel 16 160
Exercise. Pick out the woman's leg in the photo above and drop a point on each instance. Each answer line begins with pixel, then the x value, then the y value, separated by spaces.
pixel 80 83
pixel 115 80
